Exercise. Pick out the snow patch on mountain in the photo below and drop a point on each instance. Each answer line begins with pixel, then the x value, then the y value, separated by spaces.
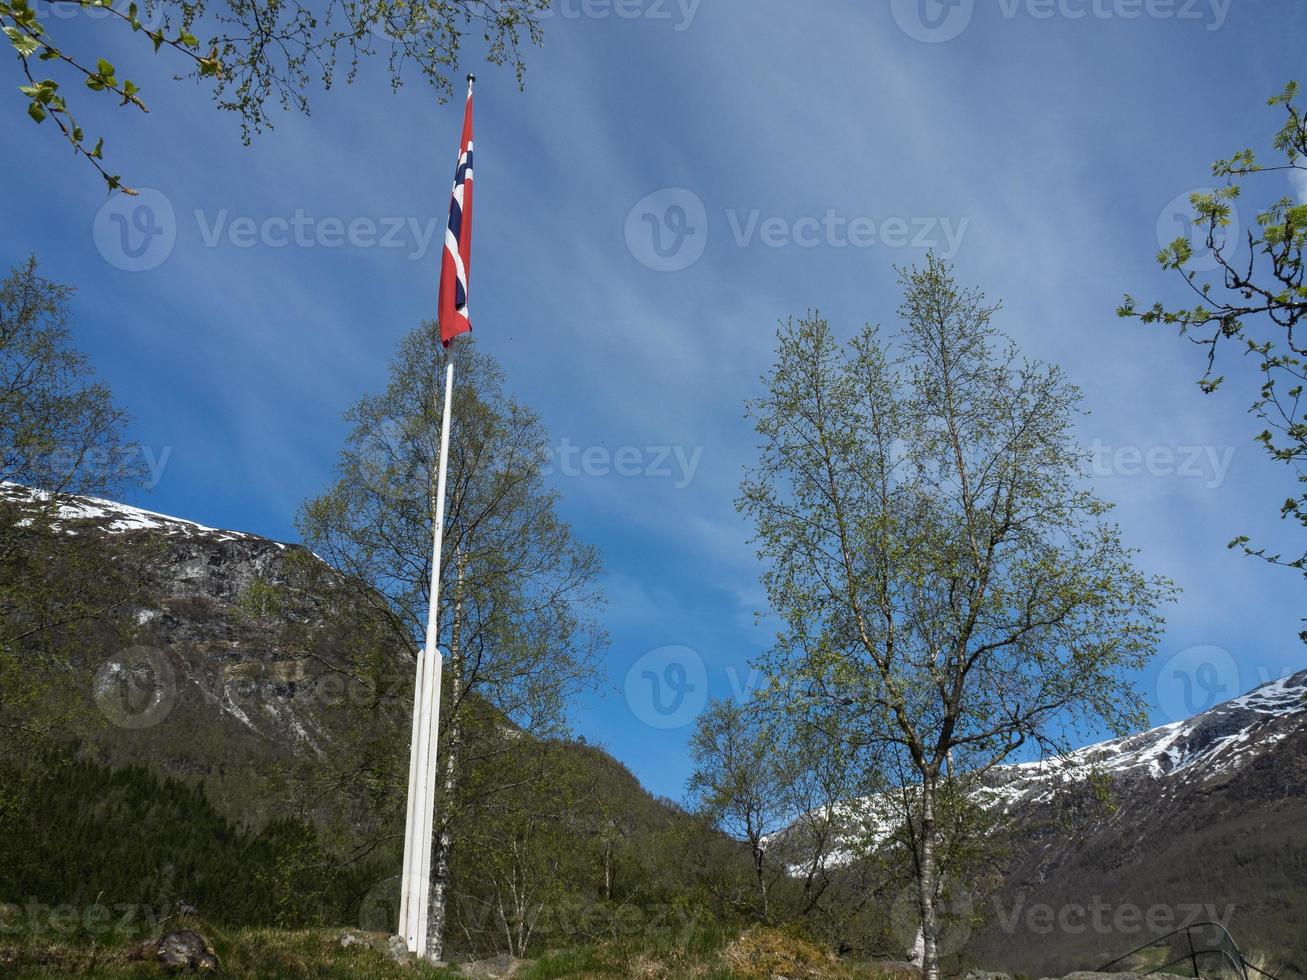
pixel 1209 744
pixel 111 516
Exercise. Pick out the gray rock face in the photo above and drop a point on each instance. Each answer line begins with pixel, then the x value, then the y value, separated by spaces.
pixel 398 949
pixel 227 660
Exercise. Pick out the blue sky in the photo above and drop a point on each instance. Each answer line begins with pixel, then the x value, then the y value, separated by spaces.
pixel 794 155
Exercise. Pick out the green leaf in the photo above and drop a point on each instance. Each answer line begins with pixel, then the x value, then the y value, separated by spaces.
pixel 25 44
pixel 36 111
pixel 104 68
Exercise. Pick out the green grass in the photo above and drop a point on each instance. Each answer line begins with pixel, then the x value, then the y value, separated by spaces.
pixel 255 954
pixel 243 954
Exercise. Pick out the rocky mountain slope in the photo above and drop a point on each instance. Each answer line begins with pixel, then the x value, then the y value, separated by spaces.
pixel 1205 821
pixel 247 665
pixel 223 663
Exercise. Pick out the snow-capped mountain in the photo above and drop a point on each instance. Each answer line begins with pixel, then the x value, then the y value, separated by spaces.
pixel 69 512
pixel 1211 745
pixel 1206 821
pixel 219 654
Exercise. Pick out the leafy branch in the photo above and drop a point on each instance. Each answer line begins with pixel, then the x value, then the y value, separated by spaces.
pixel 1259 285
pixel 30 41
pixel 261 50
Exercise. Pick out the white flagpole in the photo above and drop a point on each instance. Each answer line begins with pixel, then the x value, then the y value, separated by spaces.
pixel 415 885
pixel 406 876
pixel 415 893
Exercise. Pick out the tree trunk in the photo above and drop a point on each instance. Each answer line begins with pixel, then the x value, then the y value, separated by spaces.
pixel 443 844
pixel 608 870
pixel 759 869
pixel 927 873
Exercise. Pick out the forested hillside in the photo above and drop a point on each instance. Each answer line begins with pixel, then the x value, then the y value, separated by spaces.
pixel 235 713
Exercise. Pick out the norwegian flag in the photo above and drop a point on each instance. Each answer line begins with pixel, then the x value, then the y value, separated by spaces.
pixel 456 261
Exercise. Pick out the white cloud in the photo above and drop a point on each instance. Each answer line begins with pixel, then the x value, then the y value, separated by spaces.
pixel 1298 180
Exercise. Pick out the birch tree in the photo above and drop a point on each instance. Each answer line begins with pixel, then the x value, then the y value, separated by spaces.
pixel 947 584
pixel 741 781
pixel 61 434
pixel 519 592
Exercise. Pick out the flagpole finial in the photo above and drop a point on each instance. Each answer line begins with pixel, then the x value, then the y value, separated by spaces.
pixel 471 79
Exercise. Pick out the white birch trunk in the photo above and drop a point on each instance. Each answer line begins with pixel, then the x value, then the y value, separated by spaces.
pixel 437 920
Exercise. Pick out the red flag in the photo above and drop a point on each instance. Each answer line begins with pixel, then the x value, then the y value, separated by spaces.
pixel 456 261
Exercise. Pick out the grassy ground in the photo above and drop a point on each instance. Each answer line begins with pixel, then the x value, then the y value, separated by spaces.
pixel 256 954
pixel 756 954
pixel 248 954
